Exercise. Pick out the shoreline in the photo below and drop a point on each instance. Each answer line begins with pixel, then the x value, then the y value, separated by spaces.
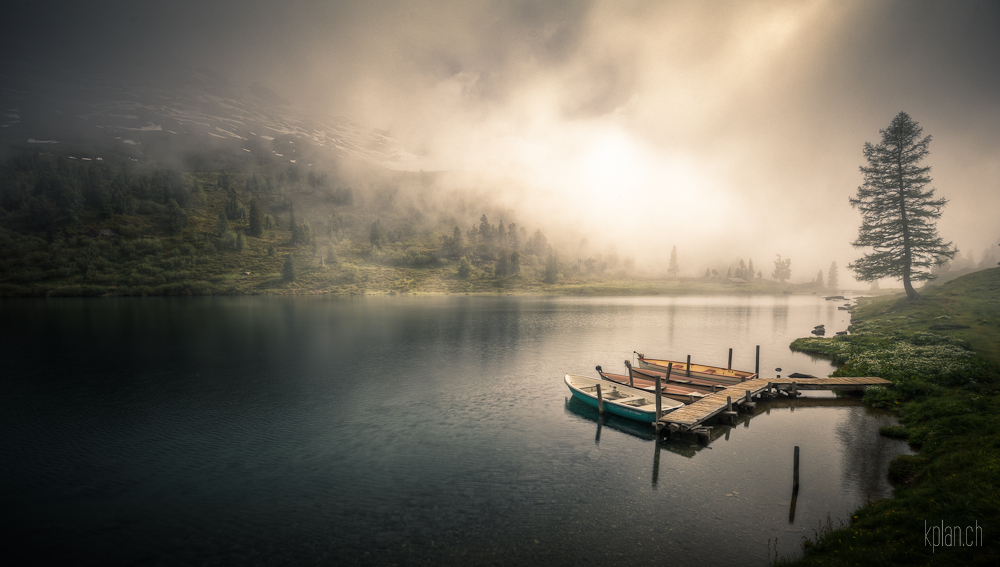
pixel 946 386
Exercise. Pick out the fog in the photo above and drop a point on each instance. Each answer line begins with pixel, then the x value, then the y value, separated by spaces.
pixel 726 129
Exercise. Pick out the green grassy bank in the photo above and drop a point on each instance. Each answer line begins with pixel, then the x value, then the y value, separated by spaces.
pixel 942 354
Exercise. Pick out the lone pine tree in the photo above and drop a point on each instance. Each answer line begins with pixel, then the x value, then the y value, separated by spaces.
pixel 897 212
pixel 673 269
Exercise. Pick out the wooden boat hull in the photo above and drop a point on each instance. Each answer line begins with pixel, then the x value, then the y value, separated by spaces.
pixel 697 384
pixel 623 401
pixel 672 391
pixel 701 371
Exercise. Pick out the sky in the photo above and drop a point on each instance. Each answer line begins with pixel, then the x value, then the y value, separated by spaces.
pixel 726 129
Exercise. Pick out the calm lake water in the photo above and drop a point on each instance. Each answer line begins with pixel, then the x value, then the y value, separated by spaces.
pixel 407 430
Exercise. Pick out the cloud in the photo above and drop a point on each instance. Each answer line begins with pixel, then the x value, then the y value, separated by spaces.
pixel 724 128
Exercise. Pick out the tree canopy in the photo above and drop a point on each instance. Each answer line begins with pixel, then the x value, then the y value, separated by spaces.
pixel 782 269
pixel 897 212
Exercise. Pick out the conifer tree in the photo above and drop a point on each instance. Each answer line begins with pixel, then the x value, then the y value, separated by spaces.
pixel 503 265
pixel 177 217
pixel 551 267
pixel 288 270
pixel 294 225
pixel 897 212
pixel 256 219
pixel 832 278
pixel 222 224
pixel 376 234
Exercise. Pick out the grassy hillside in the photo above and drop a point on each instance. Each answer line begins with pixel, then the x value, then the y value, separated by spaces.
pixel 942 355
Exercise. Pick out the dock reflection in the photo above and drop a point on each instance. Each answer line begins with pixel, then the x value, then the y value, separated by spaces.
pixel 688 445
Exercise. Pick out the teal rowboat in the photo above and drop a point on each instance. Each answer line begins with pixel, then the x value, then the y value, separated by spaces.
pixel 623 401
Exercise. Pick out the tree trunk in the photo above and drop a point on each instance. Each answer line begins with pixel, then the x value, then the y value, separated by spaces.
pixel 911 293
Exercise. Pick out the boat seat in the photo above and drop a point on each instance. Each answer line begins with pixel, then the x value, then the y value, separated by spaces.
pixel 626 400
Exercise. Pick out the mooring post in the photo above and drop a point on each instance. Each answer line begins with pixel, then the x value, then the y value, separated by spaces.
pixel 670 367
pixel 730 367
pixel 659 401
pixel 713 388
pixel 689 366
pixel 795 487
pixel 690 398
pixel 748 396
pixel 795 473
pixel 756 365
pixel 656 462
pixel 629 366
pixel 795 389
pixel 729 403
pixel 600 401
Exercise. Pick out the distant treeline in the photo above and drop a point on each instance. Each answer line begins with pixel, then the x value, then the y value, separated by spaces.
pixel 87 227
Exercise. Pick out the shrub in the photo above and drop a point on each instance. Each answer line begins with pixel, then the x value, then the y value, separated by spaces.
pixel 881 397
pixel 894 432
pixel 905 468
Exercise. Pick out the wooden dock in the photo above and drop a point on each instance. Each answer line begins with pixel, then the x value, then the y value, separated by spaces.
pixel 726 402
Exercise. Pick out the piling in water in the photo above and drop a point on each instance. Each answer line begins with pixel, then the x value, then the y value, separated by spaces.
pixel 600 401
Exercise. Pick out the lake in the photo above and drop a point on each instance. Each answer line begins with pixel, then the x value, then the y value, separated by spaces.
pixel 408 430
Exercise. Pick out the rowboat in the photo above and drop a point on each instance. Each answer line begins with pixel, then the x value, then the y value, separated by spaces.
pixel 715 373
pixel 620 400
pixel 703 384
pixel 640 380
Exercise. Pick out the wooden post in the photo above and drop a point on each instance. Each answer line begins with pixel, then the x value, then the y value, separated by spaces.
pixel 600 401
pixel 795 471
pixel 659 401
pixel 690 398
pixel 629 366
pixel 730 367
pixel 795 389
pixel 795 488
pixel 729 403
pixel 656 462
pixel 756 366
pixel 713 388
pixel 689 366
pixel 748 396
pixel 670 368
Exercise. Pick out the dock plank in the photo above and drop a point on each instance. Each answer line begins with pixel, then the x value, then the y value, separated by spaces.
pixel 710 405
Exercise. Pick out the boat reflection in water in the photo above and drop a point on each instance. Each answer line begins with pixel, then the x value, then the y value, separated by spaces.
pixel 688 445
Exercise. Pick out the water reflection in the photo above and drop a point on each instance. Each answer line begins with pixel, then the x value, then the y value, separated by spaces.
pixel 866 457
pixel 416 430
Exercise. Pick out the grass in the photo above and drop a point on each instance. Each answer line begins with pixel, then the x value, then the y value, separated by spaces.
pixel 947 410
